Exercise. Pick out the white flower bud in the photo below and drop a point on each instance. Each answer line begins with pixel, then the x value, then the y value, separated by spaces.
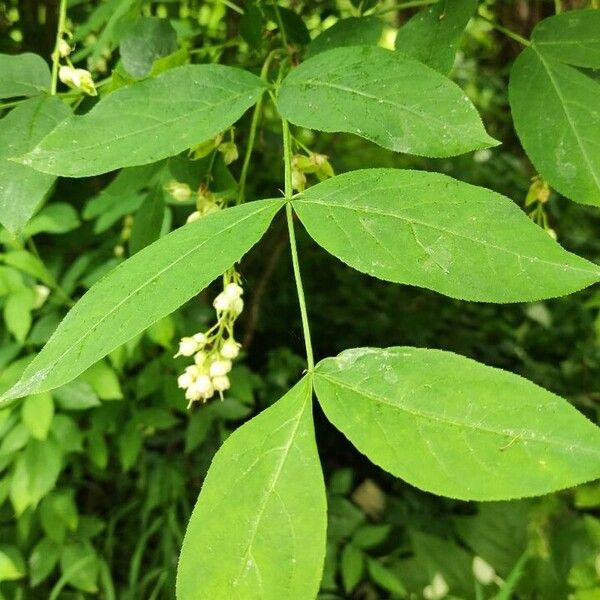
pixel 200 358
pixel 237 306
pixel 79 79
pixel 221 383
pixel 437 589
pixel 203 387
pixel 483 571
pixel 230 349
pixel 233 291
pixel 180 191
pixel 187 347
pixel 41 293
pixel 185 380
pixel 222 302
pixel 200 339
pixel 193 217
pixel 64 49
pixel 219 368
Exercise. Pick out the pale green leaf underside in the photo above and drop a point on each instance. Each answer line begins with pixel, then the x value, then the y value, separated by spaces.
pixel 430 230
pixel 455 427
pixel 433 34
pixel 554 106
pixel 143 289
pixel 22 188
pixel 394 101
pixel 258 529
pixel 23 75
pixel 148 121
pixel 572 37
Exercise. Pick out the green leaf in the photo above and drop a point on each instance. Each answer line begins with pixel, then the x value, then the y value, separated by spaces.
pixel 430 230
pixel 143 289
pixel 23 75
pixel 37 413
pixel 80 566
pixel 433 34
pixel 17 312
pixel 572 37
pixel 42 560
pixel 354 31
pixel 148 221
pixel 352 567
pixel 455 427
pixel 56 218
pixel 11 563
pixel 386 579
pixel 266 489
pixel 554 107
pixel 149 38
pixel 394 101
pixel 35 474
pixel 148 121
pixel 295 28
pixel 104 381
pixel 21 188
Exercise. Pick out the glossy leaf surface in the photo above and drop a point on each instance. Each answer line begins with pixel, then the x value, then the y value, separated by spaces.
pixel 258 529
pixel 142 290
pixel 148 121
pixel 394 101
pixel 430 230
pixel 455 427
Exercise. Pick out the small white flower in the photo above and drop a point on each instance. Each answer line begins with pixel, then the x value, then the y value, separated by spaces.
pixel 203 386
pixel 200 339
pixel 180 191
pixel 437 589
pixel 193 217
pixel 219 368
pixel 187 347
pixel 222 302
pixel 483 571
pixel 237 306
pixel 79 79
pixel 41 293
pixel 230 349
pixel 221 383
pixel 185 380
pixel 64 49
pixel 233 291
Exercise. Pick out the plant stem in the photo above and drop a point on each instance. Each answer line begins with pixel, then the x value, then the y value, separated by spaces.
pixel 234 7
pixel 62 17
pixel 280 24
pixel 287 152
pixel 507 32
pixel 264 72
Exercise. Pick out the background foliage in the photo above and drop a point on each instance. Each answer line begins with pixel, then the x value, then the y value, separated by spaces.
pixel 98 478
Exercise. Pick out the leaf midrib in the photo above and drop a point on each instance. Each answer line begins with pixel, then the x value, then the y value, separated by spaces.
pixel 370 210
pixel 538 439
pixel 92 328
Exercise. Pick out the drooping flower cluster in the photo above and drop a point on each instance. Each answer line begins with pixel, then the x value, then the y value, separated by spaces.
pixel 214 350
pixel 78 79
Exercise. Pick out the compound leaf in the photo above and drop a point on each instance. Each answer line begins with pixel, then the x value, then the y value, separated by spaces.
pixel 455 427
pixel 430 230
pixel 266 489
